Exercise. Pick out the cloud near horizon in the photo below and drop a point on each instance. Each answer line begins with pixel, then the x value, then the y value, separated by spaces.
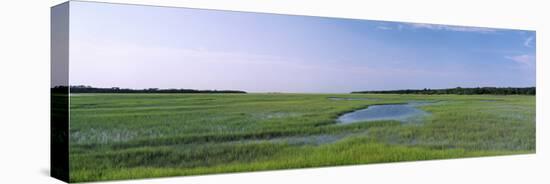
pixel 524 59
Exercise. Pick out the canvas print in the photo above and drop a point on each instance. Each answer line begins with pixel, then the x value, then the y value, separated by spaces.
pixel 148 91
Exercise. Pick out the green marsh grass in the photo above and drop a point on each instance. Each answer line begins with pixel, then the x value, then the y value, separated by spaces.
pixel 122 136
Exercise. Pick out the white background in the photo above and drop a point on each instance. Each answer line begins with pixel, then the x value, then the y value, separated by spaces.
pixel 25 78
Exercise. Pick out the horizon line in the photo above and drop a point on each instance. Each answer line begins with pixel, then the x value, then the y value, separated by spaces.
pixel 288 92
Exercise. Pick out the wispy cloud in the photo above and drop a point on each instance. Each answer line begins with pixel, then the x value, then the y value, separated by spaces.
pixel 528 41
pixel 384 28
pixel 450 28
pixel 524 59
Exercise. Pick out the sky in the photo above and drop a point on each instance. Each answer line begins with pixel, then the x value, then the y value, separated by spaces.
pixel 128 46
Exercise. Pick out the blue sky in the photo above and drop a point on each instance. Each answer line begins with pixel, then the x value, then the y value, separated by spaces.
pixel 143 46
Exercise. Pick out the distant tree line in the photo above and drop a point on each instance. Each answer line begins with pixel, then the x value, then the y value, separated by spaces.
pixel 60 89
pixel 462 91
pixel 90 89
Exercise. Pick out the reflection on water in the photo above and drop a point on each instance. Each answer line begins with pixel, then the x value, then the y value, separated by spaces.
pixel 398 112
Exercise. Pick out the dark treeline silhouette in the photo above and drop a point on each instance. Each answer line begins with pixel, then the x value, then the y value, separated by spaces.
pixel 90 89
pixel 60 90
pixel 462 91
